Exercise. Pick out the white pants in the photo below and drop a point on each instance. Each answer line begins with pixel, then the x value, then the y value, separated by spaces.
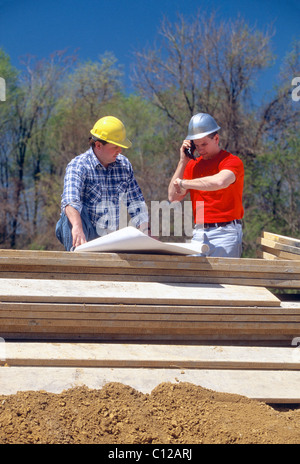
pixel 223 242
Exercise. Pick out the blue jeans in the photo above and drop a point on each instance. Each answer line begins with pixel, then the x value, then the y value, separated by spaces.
pixel 63 230
pixel 223 242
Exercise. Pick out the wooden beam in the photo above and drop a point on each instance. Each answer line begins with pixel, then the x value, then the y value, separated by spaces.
pixel 270 386
pixel 75 262
pixel 278 246
pixel 150 355
pixel 133 292
pixel 87 310
pixel 294 242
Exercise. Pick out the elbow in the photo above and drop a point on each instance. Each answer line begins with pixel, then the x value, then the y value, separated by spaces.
pixel 222 185
pixel 171 194
pixel 171 198
pixel 175 197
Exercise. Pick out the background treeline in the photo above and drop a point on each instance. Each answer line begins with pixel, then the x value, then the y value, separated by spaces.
pixel 197 65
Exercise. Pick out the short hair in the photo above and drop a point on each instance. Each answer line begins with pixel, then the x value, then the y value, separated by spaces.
pixel 211 136
pixel 92 141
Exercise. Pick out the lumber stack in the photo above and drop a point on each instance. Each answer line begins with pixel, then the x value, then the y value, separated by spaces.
pixel 148 268
pixel 110 296
pixel 270 374
pixel 58 309
pixel 203 320
pixel 279 247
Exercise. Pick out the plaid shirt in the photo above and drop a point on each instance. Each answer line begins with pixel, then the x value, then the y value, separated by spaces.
pixel 103 191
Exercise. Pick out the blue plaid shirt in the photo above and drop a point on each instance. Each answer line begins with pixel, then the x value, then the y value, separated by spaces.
pixel 103 190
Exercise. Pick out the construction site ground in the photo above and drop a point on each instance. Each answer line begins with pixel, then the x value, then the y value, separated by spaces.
pixel 181 413
pixel 211 369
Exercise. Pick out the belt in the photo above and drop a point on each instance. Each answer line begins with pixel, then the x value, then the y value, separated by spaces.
pixel 207 225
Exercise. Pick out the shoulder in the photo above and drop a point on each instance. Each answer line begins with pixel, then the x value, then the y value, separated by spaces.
pixel 232 163
pixel 227 159
pixel 83 161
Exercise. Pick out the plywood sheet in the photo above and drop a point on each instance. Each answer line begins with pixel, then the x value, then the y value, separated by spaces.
pixel 151 355
pixel 281 239
pixel 133 292
pixel 271 386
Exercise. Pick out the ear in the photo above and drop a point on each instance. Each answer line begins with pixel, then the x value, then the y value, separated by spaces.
pixel 98 144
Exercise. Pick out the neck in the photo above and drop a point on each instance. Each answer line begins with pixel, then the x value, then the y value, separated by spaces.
pixel 97 153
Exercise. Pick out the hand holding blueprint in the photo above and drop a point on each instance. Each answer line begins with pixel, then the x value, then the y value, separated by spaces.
pixel 130 239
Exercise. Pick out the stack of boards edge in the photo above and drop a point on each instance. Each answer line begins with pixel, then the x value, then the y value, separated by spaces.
pixel 61 295
pixel 278 247
pixel 132 267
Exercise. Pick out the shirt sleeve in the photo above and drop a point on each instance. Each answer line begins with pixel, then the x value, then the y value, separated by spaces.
pixel 234 164
pixel 73 185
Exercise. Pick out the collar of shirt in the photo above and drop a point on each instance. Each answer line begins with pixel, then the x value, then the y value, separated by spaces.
pixel 95 161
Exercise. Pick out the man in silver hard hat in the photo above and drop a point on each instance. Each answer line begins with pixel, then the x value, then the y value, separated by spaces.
pixel 215 179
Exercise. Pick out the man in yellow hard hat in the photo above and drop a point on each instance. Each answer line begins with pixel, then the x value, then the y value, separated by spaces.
pixel 96 183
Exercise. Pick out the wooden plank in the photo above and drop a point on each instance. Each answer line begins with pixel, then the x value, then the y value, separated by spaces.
pixel 259 282
pixel 169 317
pixel 105 260
pixel 100 273
pixel 87 310
pixel 271 386
pixel 265 339
pixel 280 246
pixel 281 239
pixel 65 266
pixel 129 328
pixel 133 292
pixel 11 310
pixel 150 355
pixel 265 255
pixel 280 254
pixel 282 282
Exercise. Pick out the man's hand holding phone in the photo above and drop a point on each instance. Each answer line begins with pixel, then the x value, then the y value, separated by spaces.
pixel 190 149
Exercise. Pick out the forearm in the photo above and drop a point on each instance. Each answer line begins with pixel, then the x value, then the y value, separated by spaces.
pixel 73 215
pixel 209 183
pixel 173 192
pixel 77 230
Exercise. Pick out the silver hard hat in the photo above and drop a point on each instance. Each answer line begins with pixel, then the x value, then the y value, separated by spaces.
pixel 201 125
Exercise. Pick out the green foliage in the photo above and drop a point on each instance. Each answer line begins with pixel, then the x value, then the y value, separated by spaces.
pixel 273 194
pixel 199 65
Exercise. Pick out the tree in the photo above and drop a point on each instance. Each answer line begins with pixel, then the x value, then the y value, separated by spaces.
pixel 205 66
pixel 89 91
pixel 31 104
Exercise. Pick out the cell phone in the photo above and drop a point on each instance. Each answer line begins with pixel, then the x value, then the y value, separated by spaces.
pixel 190 151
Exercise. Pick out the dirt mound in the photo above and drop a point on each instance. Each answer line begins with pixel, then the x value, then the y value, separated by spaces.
pixel 180 413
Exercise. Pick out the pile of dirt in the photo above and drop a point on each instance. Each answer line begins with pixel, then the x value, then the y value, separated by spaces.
pixel 180 413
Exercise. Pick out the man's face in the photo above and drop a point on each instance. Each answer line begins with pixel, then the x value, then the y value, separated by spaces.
pixel 206 147
pixel 107 153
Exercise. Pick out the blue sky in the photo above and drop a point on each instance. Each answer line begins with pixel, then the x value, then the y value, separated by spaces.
pixel 39 27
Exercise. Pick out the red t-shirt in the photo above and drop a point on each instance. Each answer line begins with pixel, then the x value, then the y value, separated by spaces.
pixel 221 205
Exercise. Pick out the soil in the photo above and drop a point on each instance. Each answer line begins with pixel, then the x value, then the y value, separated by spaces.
pixel 180 413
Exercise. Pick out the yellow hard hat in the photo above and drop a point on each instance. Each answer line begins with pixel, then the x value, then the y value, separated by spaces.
pixel 111 130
